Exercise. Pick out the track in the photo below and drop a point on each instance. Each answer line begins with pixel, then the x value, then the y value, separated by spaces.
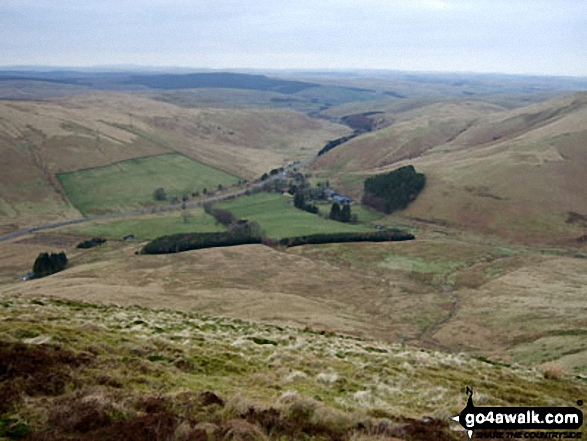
pixel 145 211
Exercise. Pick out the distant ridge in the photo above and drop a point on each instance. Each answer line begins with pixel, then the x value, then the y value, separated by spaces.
pixel 167 81
pixel 219 80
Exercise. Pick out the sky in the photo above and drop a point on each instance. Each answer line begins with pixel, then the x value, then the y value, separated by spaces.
pixel 494 36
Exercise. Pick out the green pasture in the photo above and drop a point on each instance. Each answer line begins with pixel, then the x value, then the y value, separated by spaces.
pixel 147 228
pixel 279 218
pixel 130 184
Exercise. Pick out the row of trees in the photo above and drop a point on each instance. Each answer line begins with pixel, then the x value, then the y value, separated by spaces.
pixel 222 216
pixel 379 236
pixel 177 243
pixel 300 203
pixel 91 243
pixel 47 264
pixel 336 143
pixel 273 172
pixel 235 226
pixel 394 190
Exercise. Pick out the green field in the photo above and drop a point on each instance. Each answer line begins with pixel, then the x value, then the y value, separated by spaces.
pixel 279 218
pixel 130 184
pixel 363 213
pixel 196 221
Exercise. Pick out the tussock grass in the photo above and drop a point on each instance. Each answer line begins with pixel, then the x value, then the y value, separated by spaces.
pixel 300 384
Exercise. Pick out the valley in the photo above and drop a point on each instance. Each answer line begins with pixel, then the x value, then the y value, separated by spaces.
pixel 490 294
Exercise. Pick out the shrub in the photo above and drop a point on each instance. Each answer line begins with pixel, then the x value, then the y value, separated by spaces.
pixel 335 212
pixel 160 194
pixel 91 243
pixel 553 371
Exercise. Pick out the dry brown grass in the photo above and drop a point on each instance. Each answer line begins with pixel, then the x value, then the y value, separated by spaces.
pixel 507 298
pixel 40 139
pixel 520 186
pixel 553 371
pixel 543 297
pixel 252 282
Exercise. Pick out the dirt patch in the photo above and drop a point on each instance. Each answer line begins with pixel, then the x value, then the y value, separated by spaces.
pixel 576 218
pixel 425 429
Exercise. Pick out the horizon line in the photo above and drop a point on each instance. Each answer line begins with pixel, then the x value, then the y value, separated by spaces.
pixel 130 67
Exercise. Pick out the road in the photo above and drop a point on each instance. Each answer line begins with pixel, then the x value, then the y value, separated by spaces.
pixel 151 210
pixel 157 209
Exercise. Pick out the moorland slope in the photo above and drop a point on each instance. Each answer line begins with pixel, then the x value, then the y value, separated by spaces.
pixel 86 372
pixel 515 173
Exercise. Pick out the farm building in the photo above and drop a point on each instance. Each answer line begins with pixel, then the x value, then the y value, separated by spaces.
pixel 341 199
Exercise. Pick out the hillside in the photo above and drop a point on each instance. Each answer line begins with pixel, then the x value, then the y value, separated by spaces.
pixel 91 372
pixel 406 133
pixel 348 341
pixel 517 173
pixel 438 291
pixel 39 140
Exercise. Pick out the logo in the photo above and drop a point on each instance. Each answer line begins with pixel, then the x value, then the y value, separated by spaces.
pixel 518 418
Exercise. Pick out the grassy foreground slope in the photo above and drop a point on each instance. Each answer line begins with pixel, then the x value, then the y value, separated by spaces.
pixel 106 372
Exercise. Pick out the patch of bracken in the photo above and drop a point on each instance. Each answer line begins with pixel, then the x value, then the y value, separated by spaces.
pixel 34 370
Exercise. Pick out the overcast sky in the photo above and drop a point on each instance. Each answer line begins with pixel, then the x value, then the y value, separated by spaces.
pixel 509 36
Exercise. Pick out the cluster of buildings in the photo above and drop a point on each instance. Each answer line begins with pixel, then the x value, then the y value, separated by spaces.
pixel 336 197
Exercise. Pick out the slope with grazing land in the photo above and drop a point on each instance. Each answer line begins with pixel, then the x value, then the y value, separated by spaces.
pixel 438 291
pixel 41 139
pixel 130 184
pixel 278 217
pixel 253 281
pixel 149 227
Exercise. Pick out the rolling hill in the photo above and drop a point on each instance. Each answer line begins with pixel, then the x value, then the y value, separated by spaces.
pixel 353 341
pixel 40 139
pixel 515 173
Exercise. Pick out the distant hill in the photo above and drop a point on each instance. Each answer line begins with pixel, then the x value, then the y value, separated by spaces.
pixel 220 80
pixel 30 85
